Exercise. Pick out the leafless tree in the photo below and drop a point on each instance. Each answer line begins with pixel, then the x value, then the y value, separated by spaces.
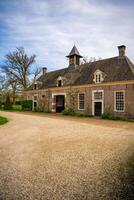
pixel 90 60
pixel 13 86
pixel 18 66
pixel 3 87
pixel 35 73
pixel 2 80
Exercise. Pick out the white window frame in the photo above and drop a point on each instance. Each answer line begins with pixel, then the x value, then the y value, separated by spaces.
pixel 115 100
pixel 79 101
pixel 60 79
pixel 35 95
pixel 97 100
pixel 98 76
pixel 54 103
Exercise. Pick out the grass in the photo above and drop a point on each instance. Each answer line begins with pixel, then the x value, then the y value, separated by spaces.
pixel 3 120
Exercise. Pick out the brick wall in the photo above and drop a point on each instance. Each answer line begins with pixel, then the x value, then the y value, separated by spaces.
pixel 45 98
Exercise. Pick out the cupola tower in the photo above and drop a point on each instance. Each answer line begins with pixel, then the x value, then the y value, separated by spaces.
pixel 74 57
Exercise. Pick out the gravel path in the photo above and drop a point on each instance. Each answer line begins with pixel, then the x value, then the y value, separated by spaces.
pixel 52 158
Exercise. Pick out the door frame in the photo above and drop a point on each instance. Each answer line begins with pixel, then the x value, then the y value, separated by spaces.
pixel 54 102
pixel 34 101
pixel 99 100
pixel 63 102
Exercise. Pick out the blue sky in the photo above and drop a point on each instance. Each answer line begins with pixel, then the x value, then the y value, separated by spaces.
pixel 50 28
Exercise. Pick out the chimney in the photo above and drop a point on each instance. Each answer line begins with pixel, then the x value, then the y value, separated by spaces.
pixel 44 70
pixel 122 50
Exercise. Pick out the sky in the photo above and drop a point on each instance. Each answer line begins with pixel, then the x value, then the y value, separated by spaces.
pixel 50 28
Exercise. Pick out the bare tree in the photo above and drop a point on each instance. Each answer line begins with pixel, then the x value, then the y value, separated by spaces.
pixel 13 86
pixel 2 85
pixel 90 60
pixel 18 66
pixel 3 88
pixel 35 73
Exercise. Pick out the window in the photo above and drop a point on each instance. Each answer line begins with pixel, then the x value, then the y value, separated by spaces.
pixel 99 76
pixel 35 97
pixel 72 60
pixel 97 95
pixel 119 101
pixel 81 101
pixel 59 83
pixel 35 104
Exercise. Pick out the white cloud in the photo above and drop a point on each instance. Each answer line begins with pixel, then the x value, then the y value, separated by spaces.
pixel 50 28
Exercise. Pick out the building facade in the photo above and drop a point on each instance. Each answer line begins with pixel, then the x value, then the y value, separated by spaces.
pixel 92 88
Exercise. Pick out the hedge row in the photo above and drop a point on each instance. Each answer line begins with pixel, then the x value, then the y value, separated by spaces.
pixel 25 105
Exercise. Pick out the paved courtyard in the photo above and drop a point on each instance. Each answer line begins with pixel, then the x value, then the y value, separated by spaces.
pixel 44 157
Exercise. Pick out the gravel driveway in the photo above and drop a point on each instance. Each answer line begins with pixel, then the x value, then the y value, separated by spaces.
pixel 60 158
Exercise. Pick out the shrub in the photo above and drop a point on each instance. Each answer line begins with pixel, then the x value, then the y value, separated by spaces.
pixel 8 105
pixel 17 102
pixel 68 111
pixel 27 105
pixel 105 115
pixel 110 117
pixel 17 107
pixel 115 117
pixel 1 106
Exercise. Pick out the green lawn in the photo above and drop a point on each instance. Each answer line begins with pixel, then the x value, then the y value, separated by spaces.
pixel 3 120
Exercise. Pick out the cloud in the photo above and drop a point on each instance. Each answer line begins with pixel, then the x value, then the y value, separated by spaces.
pixel 50 28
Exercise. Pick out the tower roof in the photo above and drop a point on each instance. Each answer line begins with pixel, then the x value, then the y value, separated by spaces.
pixel 74 52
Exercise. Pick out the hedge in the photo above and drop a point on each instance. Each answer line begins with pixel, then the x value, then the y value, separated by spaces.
pixel 27 105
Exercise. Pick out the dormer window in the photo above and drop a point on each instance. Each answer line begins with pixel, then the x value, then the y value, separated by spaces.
pixel 98 76
pixel 36 85
pixel 60 81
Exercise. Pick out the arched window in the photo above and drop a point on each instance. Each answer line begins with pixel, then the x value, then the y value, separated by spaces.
pixel 98 76
pixel 60 81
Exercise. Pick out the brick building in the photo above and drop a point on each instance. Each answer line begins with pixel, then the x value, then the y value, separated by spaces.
pixel 93 88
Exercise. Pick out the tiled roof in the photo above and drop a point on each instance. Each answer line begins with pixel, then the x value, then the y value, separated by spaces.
pixel 115 69
pixel 74 51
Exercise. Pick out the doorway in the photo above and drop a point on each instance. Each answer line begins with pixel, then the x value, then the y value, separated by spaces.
pixel 97 108
pixel 60 103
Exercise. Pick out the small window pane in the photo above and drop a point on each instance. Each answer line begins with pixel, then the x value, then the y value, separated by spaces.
pixel 35 97
pixel 98 78
pixel 120 101
pixel 81 101
pixel 97 95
